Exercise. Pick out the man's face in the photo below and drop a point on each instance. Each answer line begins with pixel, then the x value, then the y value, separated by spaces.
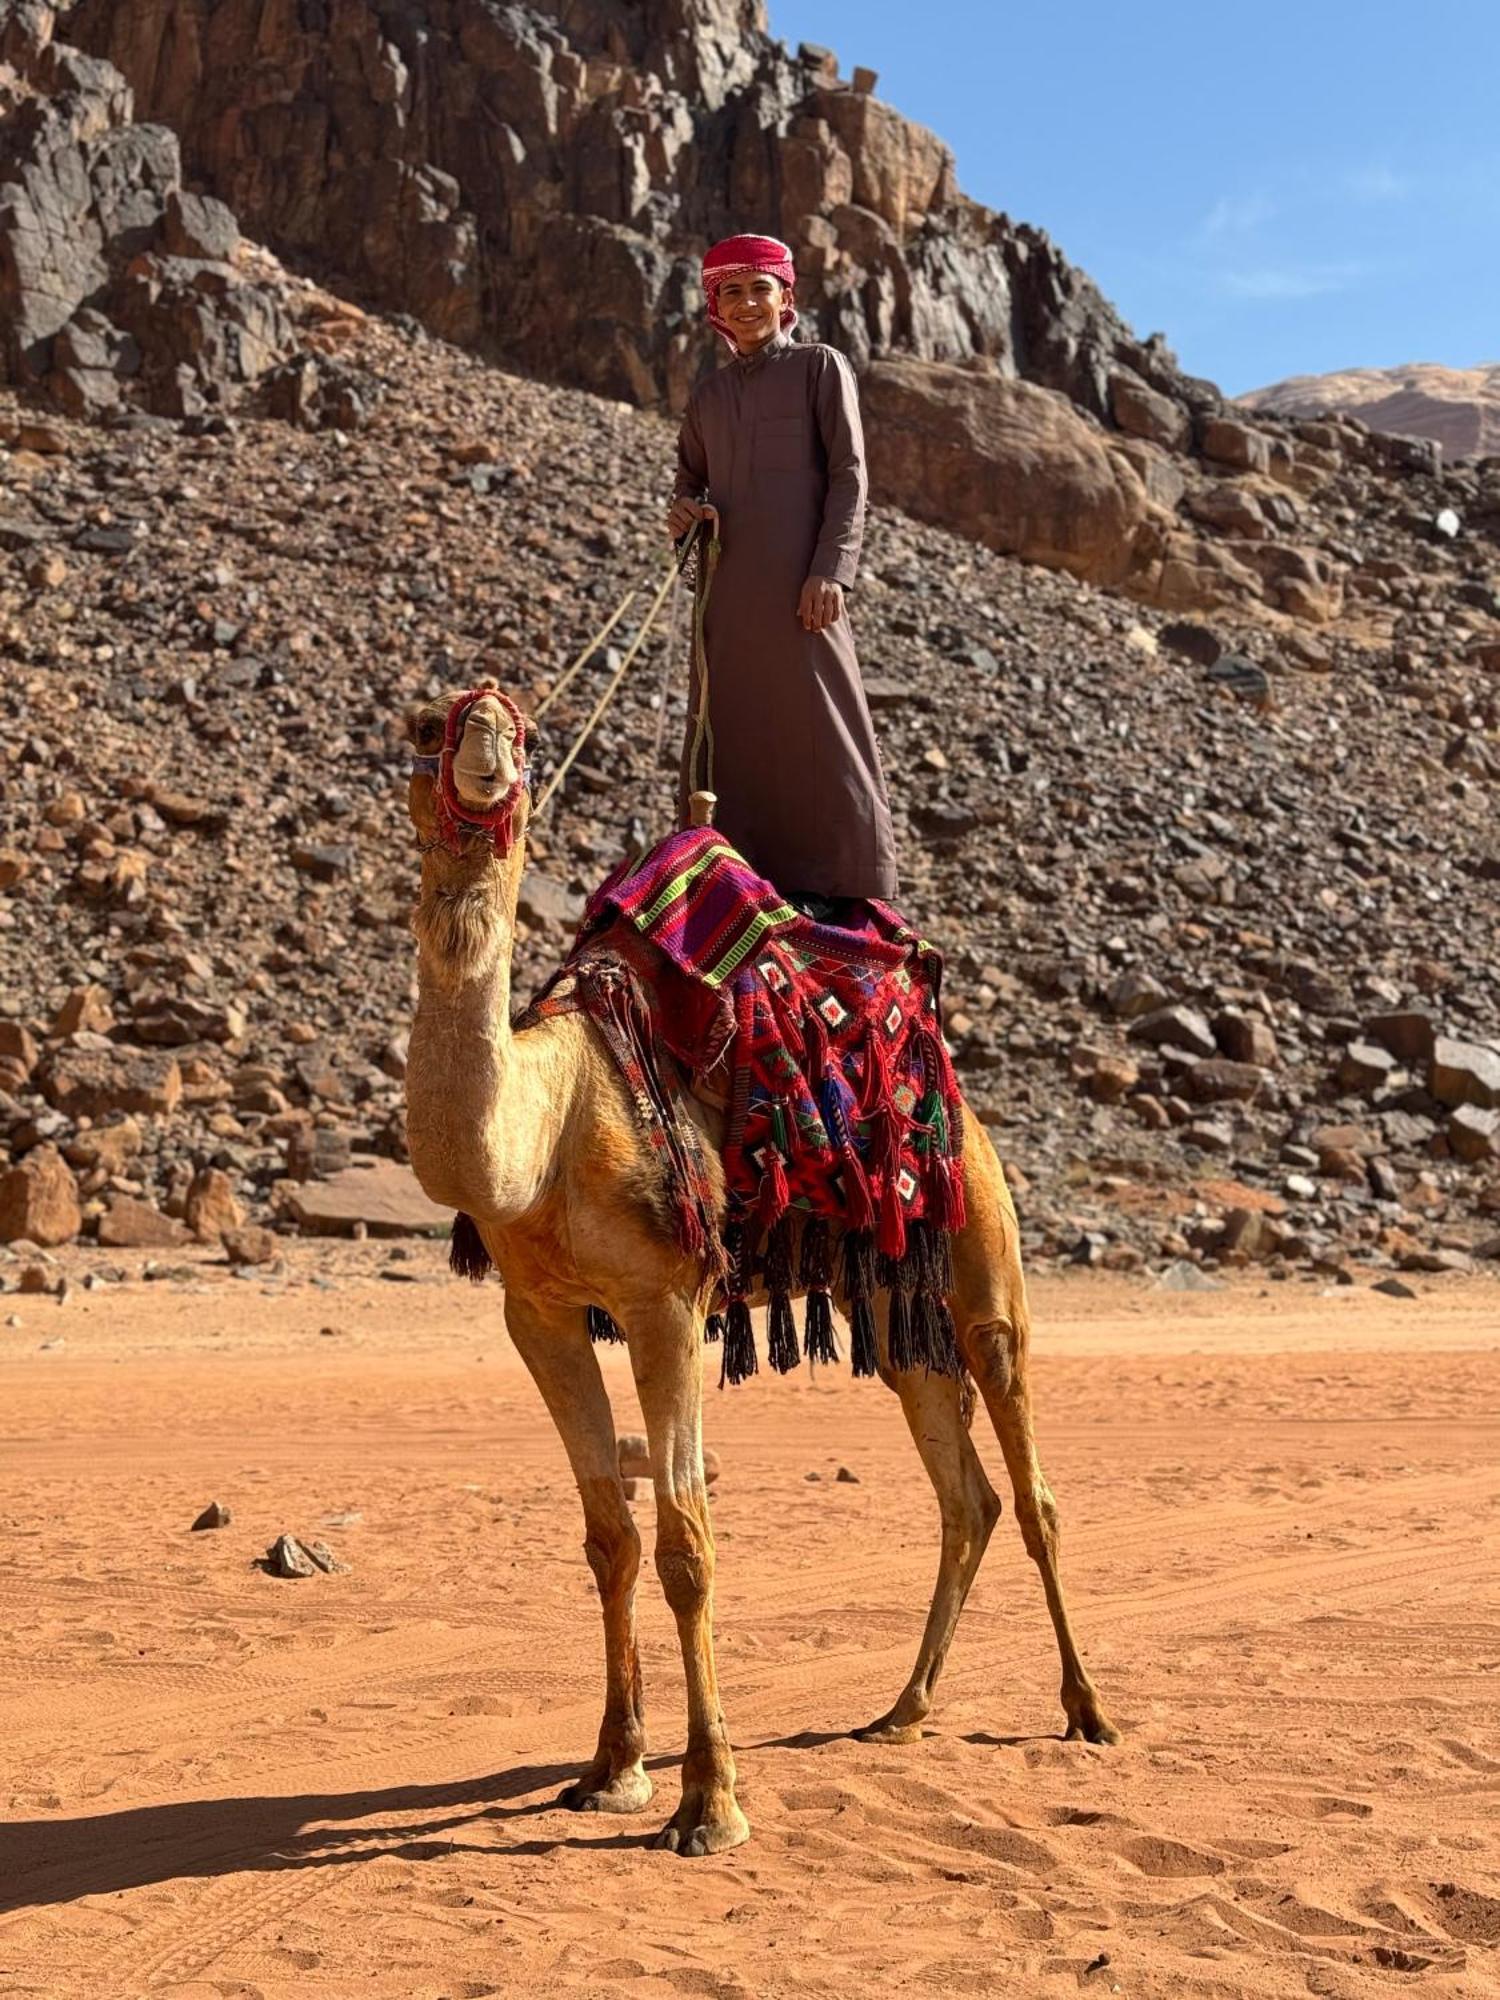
pixel 750 305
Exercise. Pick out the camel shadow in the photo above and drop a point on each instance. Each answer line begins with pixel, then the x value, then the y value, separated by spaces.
pixel 47 1862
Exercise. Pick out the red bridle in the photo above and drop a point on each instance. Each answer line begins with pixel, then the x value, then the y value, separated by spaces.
pixel 455 815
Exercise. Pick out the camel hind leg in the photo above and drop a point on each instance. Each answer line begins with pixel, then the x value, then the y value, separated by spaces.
pixel 969 1507
pixel 556 1349
pixel 993 1336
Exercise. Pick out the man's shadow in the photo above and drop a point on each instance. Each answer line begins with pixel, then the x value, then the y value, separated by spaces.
pixel 44 1862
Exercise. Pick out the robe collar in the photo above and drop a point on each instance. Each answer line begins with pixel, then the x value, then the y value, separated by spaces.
pixel 778 344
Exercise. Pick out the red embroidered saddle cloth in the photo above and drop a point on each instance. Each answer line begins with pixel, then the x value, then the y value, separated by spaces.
pixel 824 1040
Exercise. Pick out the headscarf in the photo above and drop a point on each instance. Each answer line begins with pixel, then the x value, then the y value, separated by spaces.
pixel 733 258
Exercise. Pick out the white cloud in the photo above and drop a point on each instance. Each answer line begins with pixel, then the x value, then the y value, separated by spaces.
pixel 1234 215
pixel 1290 281
pixel 1376 184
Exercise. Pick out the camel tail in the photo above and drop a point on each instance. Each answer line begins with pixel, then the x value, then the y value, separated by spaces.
pixel 467 1256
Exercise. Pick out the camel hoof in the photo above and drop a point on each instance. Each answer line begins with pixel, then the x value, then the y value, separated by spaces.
pixel 690 1835
pixel 1093 1726
pixel 886 1730
pixel 627 1791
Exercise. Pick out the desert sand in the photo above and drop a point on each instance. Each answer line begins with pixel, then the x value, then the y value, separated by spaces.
pixel 1281 1514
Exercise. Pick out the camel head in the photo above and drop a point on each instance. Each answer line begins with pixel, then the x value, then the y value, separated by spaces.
pixel 469 778
pixel 469 803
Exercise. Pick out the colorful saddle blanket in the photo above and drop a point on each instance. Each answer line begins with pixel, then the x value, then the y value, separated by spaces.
pixel 825 1042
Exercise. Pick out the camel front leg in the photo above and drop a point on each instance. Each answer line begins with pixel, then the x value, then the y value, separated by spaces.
pixel 969 1507
pixel 557 1350
pixel 666 1353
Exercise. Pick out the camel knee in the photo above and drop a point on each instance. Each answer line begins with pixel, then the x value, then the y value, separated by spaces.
pixel 614 1555
pixel 684 1560
pixel 1036 1515
pixel 992 1351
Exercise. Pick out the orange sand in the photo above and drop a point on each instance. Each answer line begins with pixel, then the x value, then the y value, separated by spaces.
pixel 1282 1533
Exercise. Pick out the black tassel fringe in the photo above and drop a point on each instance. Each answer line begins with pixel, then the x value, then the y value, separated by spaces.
pixel 864 1357
pixel 820 1341
pixel 467 1256
pixel 781 1326
pixel 602 1328
pixel 739 1344
pixel 713 1329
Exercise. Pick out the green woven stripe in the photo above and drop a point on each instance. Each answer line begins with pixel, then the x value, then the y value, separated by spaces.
pixel 763 921
pixel 678 886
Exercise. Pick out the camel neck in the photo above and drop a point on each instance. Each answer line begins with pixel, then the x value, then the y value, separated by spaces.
pixel 473 1144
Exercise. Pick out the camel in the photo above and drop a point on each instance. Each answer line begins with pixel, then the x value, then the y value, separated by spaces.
pixel 534 1136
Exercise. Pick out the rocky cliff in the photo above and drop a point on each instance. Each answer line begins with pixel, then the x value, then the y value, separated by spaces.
pixel 539 180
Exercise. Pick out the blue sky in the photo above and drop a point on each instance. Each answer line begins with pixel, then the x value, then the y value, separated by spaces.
pixel 1281 189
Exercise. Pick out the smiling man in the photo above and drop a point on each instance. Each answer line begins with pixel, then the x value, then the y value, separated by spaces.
pixel 771 446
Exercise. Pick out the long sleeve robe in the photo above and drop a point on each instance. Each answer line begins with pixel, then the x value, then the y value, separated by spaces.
pixel 774 443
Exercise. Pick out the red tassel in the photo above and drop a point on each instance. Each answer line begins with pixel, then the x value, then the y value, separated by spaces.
pixel 946 1207
pixel 859 1205
pixel 775 1193
pixel 892 1240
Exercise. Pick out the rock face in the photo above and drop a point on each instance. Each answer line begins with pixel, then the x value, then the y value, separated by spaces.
pixel 1457 408
pixel 1024 469
pixel 116 285
pixel 540 180
pixel 39 1200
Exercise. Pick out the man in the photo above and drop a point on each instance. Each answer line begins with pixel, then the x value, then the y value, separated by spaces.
pixel 771 450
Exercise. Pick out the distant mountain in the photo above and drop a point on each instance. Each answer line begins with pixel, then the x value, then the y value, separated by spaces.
pixel 1458 408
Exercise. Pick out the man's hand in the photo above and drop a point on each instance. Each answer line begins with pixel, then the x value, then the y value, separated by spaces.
pixel 821 604
pixel 683 513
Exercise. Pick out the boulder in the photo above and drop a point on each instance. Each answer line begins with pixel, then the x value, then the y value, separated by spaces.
pixel 1408 1033
pixel 1218 1080
pixel 86 1010
pixel 1464 1073
pixel 93 1083
pixel 1146 413
pixel 1018 465
pixel 378 1194
pixel 1474 1135
pixel 130 1224
pixel 211 1210
pixel 1175 1027
pixel 250 1246
pixel 1233 443
pixel 39 1200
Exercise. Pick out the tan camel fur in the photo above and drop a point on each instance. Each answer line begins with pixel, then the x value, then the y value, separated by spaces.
pixel 535 1137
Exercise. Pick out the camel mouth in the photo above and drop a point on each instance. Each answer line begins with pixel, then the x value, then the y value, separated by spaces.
pixel 487 758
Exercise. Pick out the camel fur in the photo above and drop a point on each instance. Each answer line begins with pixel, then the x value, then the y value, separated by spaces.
pixel 535 1138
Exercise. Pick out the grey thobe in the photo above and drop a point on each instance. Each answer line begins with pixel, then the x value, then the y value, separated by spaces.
pixel 774 443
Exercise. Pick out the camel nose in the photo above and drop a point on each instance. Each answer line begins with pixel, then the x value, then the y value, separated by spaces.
pixel 485 761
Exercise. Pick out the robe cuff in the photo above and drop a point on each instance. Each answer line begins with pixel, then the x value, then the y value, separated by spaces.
pixel 837 565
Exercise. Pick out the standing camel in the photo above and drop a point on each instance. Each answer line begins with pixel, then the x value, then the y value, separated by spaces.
pixel 534 1136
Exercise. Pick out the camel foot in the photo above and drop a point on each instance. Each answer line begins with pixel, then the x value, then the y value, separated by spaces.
pixel 1087 1720
pixel 891 1728
pixel 708 1821
pixel 627 1791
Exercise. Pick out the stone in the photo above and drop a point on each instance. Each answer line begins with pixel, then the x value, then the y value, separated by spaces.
pixel 1464 1073
pixel 1218 1080
pixel 543 901
pixel 327 863
pixel 1393 1288
pixel 86 1010
pixel 39 1200
pixel 633 1451
pixel 214 1515
pixel 131 1224
pixel 287 1558
pixel 1145 412
pixel 317 1152
pixel 1178 1027
pixel 1409 1034
pixel 249 1246
pixel 18 1054
pixel 1236 444
pixel 173 1020
pixel 1246 1038
pixel 844 1477
pixel 1474 1135
pixel 1241 676
pixel 1364 1066
pixel 211 1210
pixel 93 1083
pixel 374 1194
pixel 1183 1276
pixel 107 1148
pixel 1134 992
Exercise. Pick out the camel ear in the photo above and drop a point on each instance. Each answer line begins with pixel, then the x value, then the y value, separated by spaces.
pixel 531 730
pixel 424 728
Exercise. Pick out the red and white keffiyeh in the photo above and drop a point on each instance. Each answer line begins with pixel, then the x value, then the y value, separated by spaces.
pixel 733 258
